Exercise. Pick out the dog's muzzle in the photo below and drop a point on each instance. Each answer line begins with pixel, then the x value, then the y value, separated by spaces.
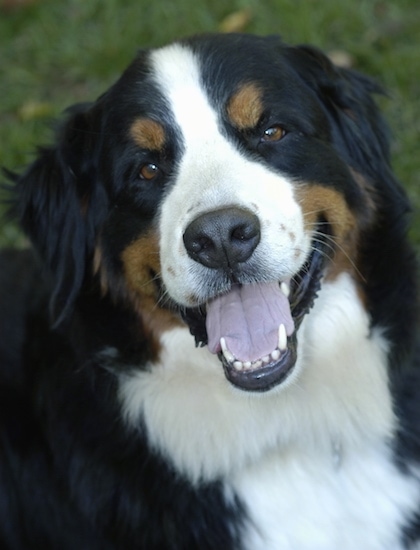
pixel 252 327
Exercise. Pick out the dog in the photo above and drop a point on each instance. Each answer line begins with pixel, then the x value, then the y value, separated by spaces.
pixel 211 342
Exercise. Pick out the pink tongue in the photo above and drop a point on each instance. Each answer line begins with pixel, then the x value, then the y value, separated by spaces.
pixel 248 318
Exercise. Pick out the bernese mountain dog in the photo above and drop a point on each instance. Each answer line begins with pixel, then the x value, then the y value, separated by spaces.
pixel 211 343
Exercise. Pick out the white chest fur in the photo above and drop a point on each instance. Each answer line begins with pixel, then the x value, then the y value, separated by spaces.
pixel 309 459
pixel 299 502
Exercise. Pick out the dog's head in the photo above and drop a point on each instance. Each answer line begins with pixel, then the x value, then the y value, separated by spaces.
pixel 223 180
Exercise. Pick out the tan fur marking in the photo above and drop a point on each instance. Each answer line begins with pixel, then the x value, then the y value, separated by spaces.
pixel 148 134
pixel 156 320
pixel 317 201
pixel 140 262
pixel 246 107
pixel 140 259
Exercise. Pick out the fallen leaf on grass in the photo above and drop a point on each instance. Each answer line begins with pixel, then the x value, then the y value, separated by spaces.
pixel 341 58
pixel 236 21
pixel 32 110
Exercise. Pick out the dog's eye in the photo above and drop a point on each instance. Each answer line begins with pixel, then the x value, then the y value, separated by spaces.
pixel 149 171
pixel 274 133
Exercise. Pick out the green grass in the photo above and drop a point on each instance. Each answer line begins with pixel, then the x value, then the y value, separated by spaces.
pixel 55 53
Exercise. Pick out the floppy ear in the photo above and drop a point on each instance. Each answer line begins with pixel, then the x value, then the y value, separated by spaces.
pixel 54 204
pixel 359 130
pixel 361 137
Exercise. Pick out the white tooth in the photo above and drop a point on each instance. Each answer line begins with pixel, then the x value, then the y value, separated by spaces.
pixel 228 355
pixel 266 359
pixel 247 365
pixel 238 365
pixel 284 287
pixel 257 364
pixel 282 338
pixel 275 354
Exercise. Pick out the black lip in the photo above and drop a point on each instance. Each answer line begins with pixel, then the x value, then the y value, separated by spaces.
pixel 304 287
pixel 266 377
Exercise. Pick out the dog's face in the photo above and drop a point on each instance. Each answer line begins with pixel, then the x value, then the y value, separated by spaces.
pixel 248 206
pixel 221 181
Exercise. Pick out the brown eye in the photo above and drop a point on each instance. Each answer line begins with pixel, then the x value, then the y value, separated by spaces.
pixel 274 133
pixel 149 171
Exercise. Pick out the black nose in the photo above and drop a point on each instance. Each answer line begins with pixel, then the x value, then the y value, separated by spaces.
pixel 222 238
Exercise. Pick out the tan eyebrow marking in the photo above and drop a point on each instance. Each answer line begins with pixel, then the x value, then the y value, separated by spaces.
pixel 148 134
pixel 245 107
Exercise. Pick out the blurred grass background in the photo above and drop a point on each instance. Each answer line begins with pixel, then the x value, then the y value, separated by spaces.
pixel 54 53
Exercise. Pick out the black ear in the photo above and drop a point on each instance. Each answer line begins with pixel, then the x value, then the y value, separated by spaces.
pixel 359 130
pixel 361 137
pixel 58 206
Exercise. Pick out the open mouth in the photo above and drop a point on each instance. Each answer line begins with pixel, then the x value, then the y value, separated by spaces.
pixel 253 328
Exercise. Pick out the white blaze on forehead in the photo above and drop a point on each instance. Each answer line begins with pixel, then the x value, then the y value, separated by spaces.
pixel 213 173
pixel 177 73
pixel 207 155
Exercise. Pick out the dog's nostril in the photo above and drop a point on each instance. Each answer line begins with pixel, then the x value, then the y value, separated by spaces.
pixel 201 243
pixel 245 232
pixel 222 238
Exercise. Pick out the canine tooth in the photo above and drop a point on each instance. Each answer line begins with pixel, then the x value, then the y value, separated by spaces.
pixel 284 287
pixel 228 355
pixel 282 338
pixel 275 354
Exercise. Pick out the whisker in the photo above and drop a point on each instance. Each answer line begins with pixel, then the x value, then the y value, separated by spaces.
pixel 321 237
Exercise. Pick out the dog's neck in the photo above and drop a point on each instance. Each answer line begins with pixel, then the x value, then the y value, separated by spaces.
pixel 338 397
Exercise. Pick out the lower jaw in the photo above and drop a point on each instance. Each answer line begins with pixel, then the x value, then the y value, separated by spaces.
pixel 266 377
